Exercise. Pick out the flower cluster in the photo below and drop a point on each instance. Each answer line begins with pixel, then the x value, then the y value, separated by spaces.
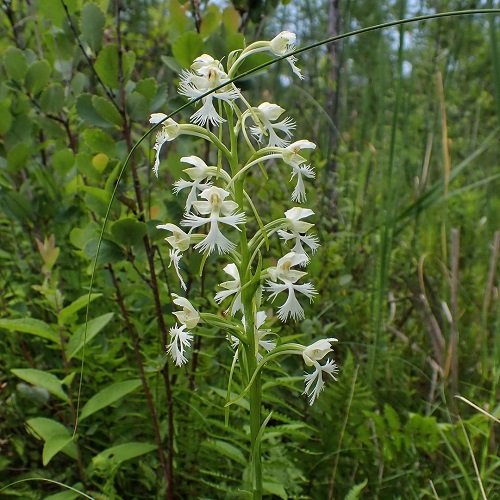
pixel 217 208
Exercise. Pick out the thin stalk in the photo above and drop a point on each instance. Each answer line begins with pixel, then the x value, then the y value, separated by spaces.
pixel 142 374
pixel 168 471
pixel 387 227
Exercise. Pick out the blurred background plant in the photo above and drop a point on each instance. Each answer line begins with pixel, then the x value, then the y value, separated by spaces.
pixel 407 123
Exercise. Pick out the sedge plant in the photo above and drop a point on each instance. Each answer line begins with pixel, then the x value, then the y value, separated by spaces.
pixel 219 215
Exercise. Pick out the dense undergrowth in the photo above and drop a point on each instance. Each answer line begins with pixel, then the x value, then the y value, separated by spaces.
pixel 407 209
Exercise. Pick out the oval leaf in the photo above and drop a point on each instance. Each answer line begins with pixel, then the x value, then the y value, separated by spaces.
pixel 69 311
pixel 129 231
pixel 123 452
pixel 32 326
pixel 108 396
pixel 53 446
pixel 37 76
pixel 94 326
pixel 91 24
pixel 42 379
pixel 105 109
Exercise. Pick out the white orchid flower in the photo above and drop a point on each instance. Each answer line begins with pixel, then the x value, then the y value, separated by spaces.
pixel 231 287
pixel 312 355
pixel 288 276
pixel 208 74
pixel 179 241
pixel 198 173
pixel 189 316
pixel 283 43
pixel 292 156
pixel 169 131
pixel 268 113
pixel 218 211
pixel 180 340
pixel 297 229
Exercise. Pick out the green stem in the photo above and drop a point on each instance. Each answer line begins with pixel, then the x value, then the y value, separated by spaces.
pixel 255 396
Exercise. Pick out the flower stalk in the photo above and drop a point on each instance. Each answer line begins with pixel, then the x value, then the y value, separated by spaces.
pixel 216 222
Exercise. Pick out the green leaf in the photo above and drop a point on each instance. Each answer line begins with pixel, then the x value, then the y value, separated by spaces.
pixel 87 112
pixel 31 326
pixel 66 494
pixel 52 98
pixel 123 452
pixel 137 107
pixel 5 116
pixel 18 156
pixel 147 87
pixel 16 205
pixel 178 19
pixel 42 379
pixel 211 20
pixel 37 76
pixel 171 63
pixel 109 253
pixel 92 25
pixel 128 231
pixel 78 338
pixel 50 430
pixel 15 63
pixel 107 66
pixel 187 48
pixel 45 428
pixel 63 160
pixel 128 65
pixel 85 166
pixel 78 83
pixel 231 19
pixel 67 312
pixel 79 237
pixel 275 489
pixel 356 490
pixel 53 446
pixel 392 418
pixel 226 449
pixel 100 142
pixel 108 396
pixel 98 199
pixel 106 110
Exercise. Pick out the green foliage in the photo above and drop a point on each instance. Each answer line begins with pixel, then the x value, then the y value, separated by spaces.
pixel 67 122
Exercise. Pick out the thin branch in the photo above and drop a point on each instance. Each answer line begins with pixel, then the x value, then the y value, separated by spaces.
pixel 140 366
pixel 91 64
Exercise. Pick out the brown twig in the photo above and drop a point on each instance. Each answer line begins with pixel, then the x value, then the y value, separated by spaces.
pixel 140 366
pixel 150 258
pixel 87 57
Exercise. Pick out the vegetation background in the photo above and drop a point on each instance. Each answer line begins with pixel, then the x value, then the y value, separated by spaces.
pixel 407 205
